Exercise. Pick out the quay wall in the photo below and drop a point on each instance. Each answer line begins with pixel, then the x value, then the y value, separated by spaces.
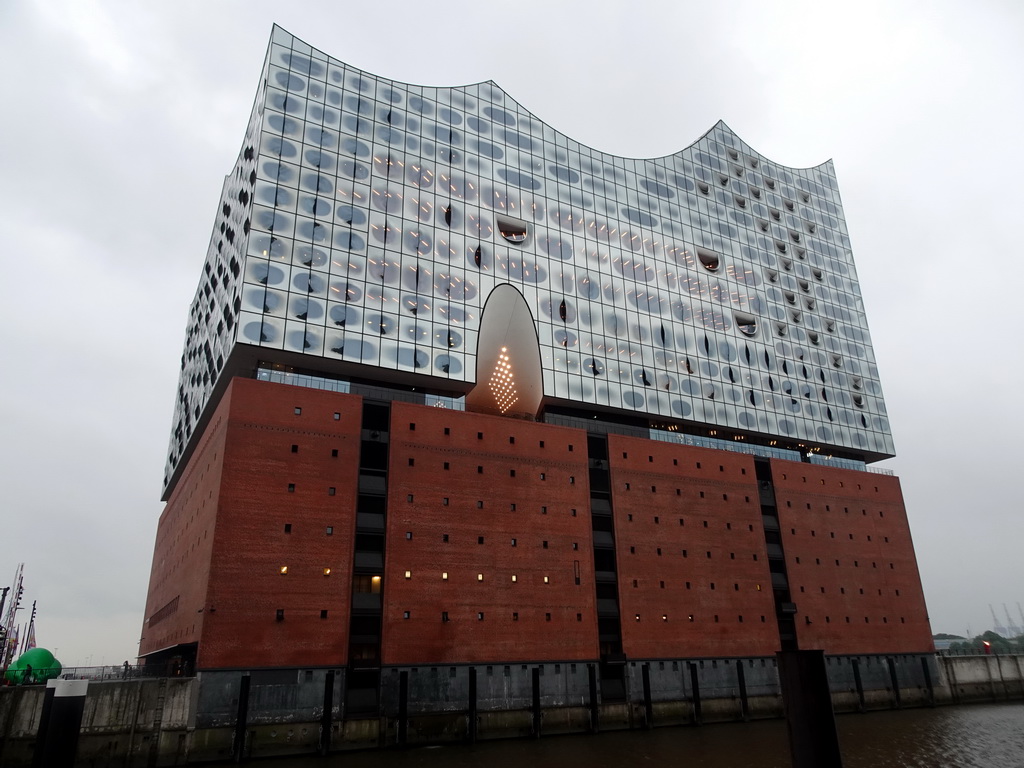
pixel 179 721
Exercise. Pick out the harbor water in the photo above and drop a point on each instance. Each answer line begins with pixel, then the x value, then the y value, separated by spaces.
pixel 974 736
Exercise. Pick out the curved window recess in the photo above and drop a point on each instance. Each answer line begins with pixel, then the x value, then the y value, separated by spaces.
pixel 734 154
pixel 837 361
pixel 780 330
pixel 805 197
pixel 704 188
pixel 858 400
pixel 817 274
pixel 856 382
pixel 448 215
pixel 794 236
pixel 796 316
pixel 737 171
pixel 801 253
pixel 478 255
pixel 772 275
pixel 811 228
pixel 709 260
pixel 813 338
pixel 562 310
pixel 746 323
pixel 512 230
pixel 753 162
pixel 780 246
pixel 804 286
pixel 789 205
pixel 644 379
pixel 594 366
pixel 775 214
pixel 739 201
pixel 809 303
pixel 830 326
pixel 790 297
pixel 755 192
pixel 664 339
pixel 770 183
pixel 723 179
pixel 763 224
pixel 786 264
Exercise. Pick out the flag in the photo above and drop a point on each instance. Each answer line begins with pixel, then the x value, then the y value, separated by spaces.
pixel 30 636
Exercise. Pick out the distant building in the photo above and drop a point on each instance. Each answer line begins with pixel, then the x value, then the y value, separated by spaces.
pixel 458 390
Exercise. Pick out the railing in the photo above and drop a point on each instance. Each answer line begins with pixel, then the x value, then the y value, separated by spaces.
pixel 114 672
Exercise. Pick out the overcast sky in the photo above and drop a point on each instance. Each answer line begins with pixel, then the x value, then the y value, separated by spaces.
pixel 121 119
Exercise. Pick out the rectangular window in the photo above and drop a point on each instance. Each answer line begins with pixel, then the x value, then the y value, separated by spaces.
pixel 295 449
pixel 412 426
pixel 444 501
pixel 479 435
pixel 337 416
pixel 331 491
pixel 330 530
pixel 287 527
pixel 323 614
pixel 408 535
pixel 291 487
pixel 408 498
pixel 334 453
pixel 444 538
pixel 412 462
pixel 479 470
pixel 447 430
pixel 446 465
pixel 298 410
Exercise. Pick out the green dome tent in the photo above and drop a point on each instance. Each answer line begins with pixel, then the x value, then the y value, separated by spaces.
pixel 42 663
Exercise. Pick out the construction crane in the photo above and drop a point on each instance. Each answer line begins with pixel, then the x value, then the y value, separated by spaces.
pixel 1013 629
pixel 998 628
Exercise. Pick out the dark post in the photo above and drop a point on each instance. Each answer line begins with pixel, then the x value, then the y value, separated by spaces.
pixel 741 680
pixel 645 671
pixel 403 707
pixel 536 702
pixel 472 705
pixel 327 715
pixel 595 711
pixel 241 720
pixel 813 740
pixel 928 680
pixel 695 685
pixel 63 705
pixel 859 683
pixel 897 701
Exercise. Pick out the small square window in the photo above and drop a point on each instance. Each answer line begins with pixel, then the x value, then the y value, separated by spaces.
pixel 444 538
pixel 334 453
pixel 337 416
pixel 323 614
pixel 330 530
pixel 515 617
pixel 444 501
pixel 545 544
pixel 331 491
pixel 479 505
pixel 574 513
pixel 575 545
pixel 543 476
pixel 287 527
pixel 444 615
pixel 295 449
pixel 511 473
pixel 280 614
pixel 511 440
pixel 298 410
pixel 579 617
pixel 479 470
pixel 480 616
pixel 412 428
pixel 543 510
pixel 405 614
pixel 479 539
pixel 408 574
pixel 541 443
pixel 512 507
pixel 513 542
pixel 283 570
pixel 291 487
pixel 412 462
pixel 547 617
pixel 409 498
pixel 408 535
pixel 447 430
pixel 479 435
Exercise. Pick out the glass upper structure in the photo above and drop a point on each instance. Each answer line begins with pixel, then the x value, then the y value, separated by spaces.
pixel 367 221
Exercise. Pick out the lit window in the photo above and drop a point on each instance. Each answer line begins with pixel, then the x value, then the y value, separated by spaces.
pixel 408 575
pixel 327 571
pixel 514 578
pixel 444 576
pixel 284 569
pixel 479 577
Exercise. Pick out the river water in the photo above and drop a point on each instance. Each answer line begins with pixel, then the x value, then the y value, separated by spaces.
pixel 975 736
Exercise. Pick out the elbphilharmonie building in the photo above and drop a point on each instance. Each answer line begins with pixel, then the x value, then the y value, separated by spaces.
pixel 458 389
